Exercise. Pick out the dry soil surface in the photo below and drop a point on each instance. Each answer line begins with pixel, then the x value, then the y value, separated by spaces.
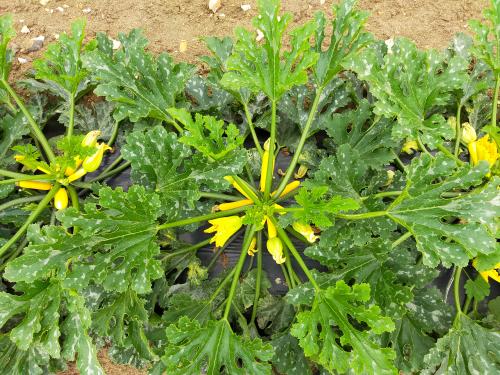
pixel 430 23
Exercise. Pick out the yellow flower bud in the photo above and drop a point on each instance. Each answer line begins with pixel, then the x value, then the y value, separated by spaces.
pixel 275 248
pixel 91 163
pixel 231 205
pixel 37 185
pixel 306 230
pixel 61 199
pixel 78 174
pixel 301 172
pixel 90 139
pixel 19 158
pixel 271 229
pixel 252 249
pixel 289 188
pixel 43 169
pixel 224 228
pixel 409 147
pixel 468 133
pixel 232 181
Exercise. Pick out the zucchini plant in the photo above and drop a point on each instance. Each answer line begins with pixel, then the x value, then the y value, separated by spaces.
pixel 144 206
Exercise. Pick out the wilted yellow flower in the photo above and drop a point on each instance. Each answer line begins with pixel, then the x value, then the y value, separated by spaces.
pixel 252 249
pixel 483 149
pixel 489 274
pixel 306 230
pixel 224 228
pixel 91 163
pixel 237 186
pixel 301 172
pixel 468 133
pixel 275 248
pixel 409 147
pixel 271 229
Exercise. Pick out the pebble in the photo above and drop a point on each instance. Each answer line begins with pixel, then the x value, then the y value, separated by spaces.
pixel 86 10
pixel 214 5
pixel 246 7
pixel 60 9
pixel 36 45
pixel 183 46
pixel 260 35
pixel 116 44
pixel 44 2
pixel 22 60
pixel 25 30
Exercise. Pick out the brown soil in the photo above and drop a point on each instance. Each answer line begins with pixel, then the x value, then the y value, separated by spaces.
pixel 430 23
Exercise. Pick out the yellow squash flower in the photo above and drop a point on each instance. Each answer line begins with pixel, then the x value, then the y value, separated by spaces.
pixel 236 186
pixel 224 228
pixel 409 147
pixel 91 163
pixel 489 274
pixel 231 205
pixel 483 149
pixel 275 248
pixel 306 230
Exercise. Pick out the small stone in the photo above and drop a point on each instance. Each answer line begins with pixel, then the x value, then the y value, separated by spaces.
pixel 25 30
pixel 56 36
pixel 260 35
pixel 36 45
pixel 66 6
pixel 116 44
pixel 183 46
pixel 44 2
pixel 277 281
pixel 246 7
pixel 214 5
pixel 222 15
pixel 322 2
pixel 86 10
pixel 49 10
pixel 60 9
pixel 22 60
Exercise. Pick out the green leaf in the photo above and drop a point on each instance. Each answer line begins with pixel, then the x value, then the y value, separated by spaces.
pixel 347 39
pixel 97 116
pixel 142 86
pixel 369 138
pixel 264 67
pixel 19 362
pixel 6 34
pixel 208 135
pixel 115 246
pixel 318 207
pixel 61 67
pixel 413 86
pixel 274 314
pixel 162 163
pixel 477 289
pixel 468 348
pixel 245 292
pixel 205 95
pixel 338 306
pixel 487 37
pixel 423 210
pixel 193 349
pixel 12 129
pixel 289 358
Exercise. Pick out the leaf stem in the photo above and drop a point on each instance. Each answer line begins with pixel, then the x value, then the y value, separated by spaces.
pixel 422 147
pixel 383 195
pixel 197 219
pixel 272 144
pixel 458 127
pixel 300 146
pixel 495 102
pixel 244 249
pixel 366 215
pixel 114 134
pixel 399 162
pixel 22 176
pixel 284 237
pixel 456 289
pixel 34 126
pixel 222 197
pixel 111 173
pixel 247 188
pixel 252 129
pixel 221 286
pixel 185 250
pixel 401 239
pixel 36 212
pixel 447 152
pixel 259 277
pixel 71 123
pixel 19 201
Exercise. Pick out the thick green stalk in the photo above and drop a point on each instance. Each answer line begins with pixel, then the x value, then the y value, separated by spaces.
pixel 259 277
pixel 22 176
pixel 222 197
pixel 447 152
pixel 114 134
pixel 399 162
pixel 110 167
pixel 383 195
pixel 19 201
pixel 38 210
pixel 272 144
pixel 456 289
pixel 458 135
pixel 34 126
pixel 71 123
pixel 288 243
pixel 244 249
pixel 289 267
pixel 422 147
pixel 197 219
pixel 289 172
pixel 111 173
pixel 252 129
pixel 246 188
pixel 495 101
pixel 401 239
pixel 75 202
